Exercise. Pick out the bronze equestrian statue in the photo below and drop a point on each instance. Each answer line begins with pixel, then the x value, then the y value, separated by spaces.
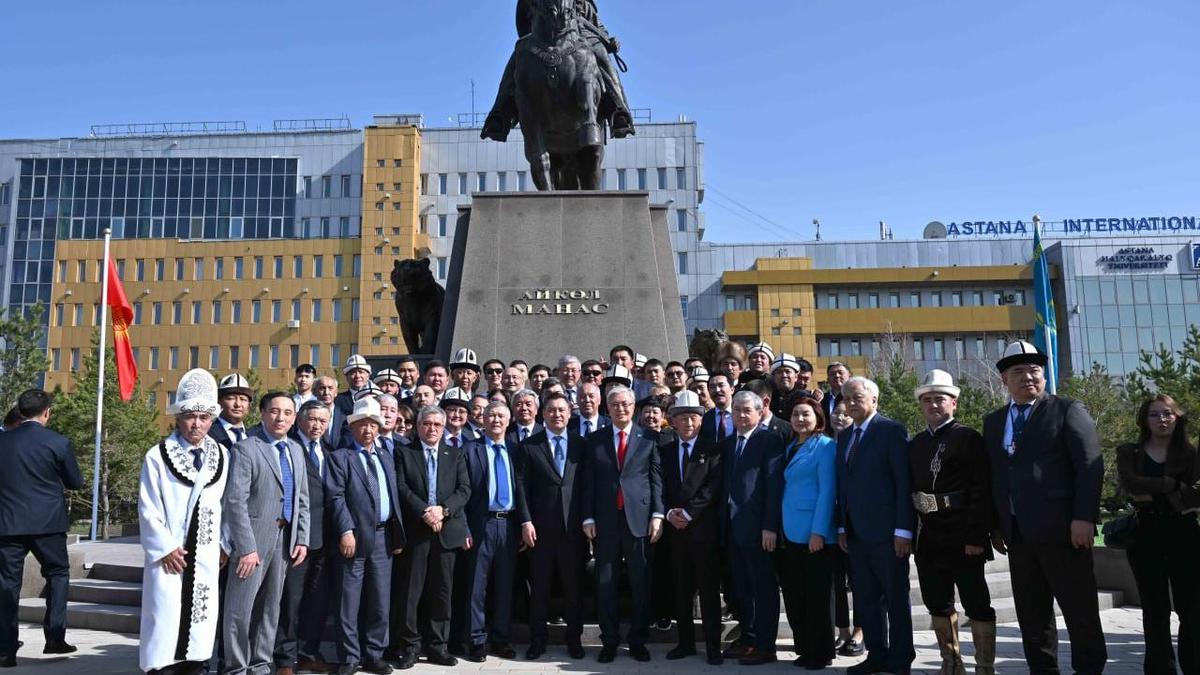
pixel 563 90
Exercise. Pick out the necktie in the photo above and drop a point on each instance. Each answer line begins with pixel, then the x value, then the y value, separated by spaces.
pixel 522 432
pixel 722 429
pixel 454 441
pixel 289 481
pixel 240 433
pixel 501 502
pixel 373 476
pixel 1018 425
pixel 431 476
pixel 853 444
pixel 587 427
pixel 686 455
pixel 741 445
pixel 198 458
pixel 560 456
pixel 314 457
pixel 571 396
pixel 621 448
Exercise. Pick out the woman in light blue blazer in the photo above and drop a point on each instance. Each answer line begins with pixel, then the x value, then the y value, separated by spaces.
pixel 806 569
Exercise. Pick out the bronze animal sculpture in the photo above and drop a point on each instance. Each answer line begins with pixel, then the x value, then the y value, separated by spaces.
pixel 419 301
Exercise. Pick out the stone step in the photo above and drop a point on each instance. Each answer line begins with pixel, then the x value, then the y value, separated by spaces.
pixel 106 592
pixel 111 572
pixel 87 615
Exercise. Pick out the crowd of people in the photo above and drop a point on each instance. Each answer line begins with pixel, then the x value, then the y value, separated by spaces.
pixel 418 508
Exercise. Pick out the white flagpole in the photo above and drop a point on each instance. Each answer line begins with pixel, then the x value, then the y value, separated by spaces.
pixel 100 385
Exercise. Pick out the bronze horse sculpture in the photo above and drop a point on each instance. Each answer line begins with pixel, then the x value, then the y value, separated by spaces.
pixel 555 88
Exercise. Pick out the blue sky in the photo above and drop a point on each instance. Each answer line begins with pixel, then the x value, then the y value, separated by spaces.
pixel 851 112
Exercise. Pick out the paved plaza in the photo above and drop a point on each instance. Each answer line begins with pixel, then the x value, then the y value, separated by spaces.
pixel 107 653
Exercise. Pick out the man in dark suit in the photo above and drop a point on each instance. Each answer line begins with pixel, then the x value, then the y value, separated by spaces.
pixel 876 527
pixel 1047 473
pixel 434 489
pixel 364 504
pixel 836 374
pixel 753 469
pixel 588 418
pixel 524 417
pixel 774 423
pixel 358 377
pixel 235 397
pixel 622 515
pixel 305 604
pixel 717 424
pixel 550 473
pixel 692 489
pixel 38 466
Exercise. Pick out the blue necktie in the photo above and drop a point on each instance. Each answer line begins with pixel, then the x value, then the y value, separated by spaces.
pixel 522 432
pixel 240 433
pixel 587 427
pixel 560 457
pixel 376 472
pixel 431 476
pixel 316 460
pixel 722 425
pixel 741 444
pixel 501 503
pixel 1018 425
pixel 853 444
pixel 289 481
pixel 198 454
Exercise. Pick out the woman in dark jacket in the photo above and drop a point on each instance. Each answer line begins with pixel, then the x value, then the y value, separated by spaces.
pixel 1160 473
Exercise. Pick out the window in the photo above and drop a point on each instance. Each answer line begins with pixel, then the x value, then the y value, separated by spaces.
pixel 641 177
pixel 502 181
pixel 335 356
pixel 977 298
pixel 235 312
pixel 935 299
pixel 253 356
pixel 354 307
pixel 999 345
pixel 176 313
pixel 852 301
pixel 326 187
pixel 893 299
pixel 258 267
pixel 140 267
pixel 154 358
pixel 308 187
pixel 938 350
pixel 157 314
pixel 521 181
pixel 81 271
pixel 195 315
pixel 681 178
pixel 621 182
pixel 662 179
pixel 337 265
pixel 237 226
pixel 159 265
pixel 998 297
pixel 1018 297
pixel 298 266
pixel 831 301
pixel 74 358
pixel 346 186
pixel 750 302
pixel 918 349
pixel 441 267
pixel 193 357
pixel 914 299
pixel 356 266
pixel 462 183
pixel 796 311
pixel 481 181
pixel 276 311
pixel 58 314
pixel 274 357
pixel 683 305
pixel 835 347
pixel 442 225
pixel 295 310
pixel 960 349
pixel 239 268
pixel 178 269
pixel 255 311
pixel 234 357
pixel 137 313
pixel 214 354
pixel 173 358
pixel 980 350
pixel 856 347
pixel 121 269
pixel 198 269
pixel 681 220
pixel 956 299
pixel 325 232
pixel 337 310
pixel 316 310
pixel 278 267
pixel 873 300
pixel 216 313
pixel 219 268
pixel 441 191
pixel 682 261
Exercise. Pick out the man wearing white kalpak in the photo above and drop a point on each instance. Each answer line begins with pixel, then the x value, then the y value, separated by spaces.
pixel 179 511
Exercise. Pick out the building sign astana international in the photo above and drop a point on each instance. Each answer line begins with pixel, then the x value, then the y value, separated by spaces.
pixel 559 302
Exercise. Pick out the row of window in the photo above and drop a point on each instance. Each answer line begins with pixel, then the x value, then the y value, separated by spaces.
pixel 218 358
pixel 345 183
pixel 974 298
pixel 207 313
pixel 155 269
pixel 483 181
pixel 157 166
pixel 922 348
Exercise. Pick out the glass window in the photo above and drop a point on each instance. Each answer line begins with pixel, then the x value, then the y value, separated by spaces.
pixel 935 299
pixel 831 301
pixel 354 309
pixel 521 181
pixel 681 178
pixel 938 352
pixel 137 313
pixel 295 310
pixel 314 355
pixel 682 259
pixel 193 357
pixel 481 181
pixel 977 298
pixel 235 312
pixel 681 220
pixel 980 350
pixel 356 266
pixel 852 301
pixel 178 269
pixel 274 356
pixel 855 347
pixel 960 349
pixel 641 178
pixel 462 183
pixel 258 267
pixel 893 299
pixel 318 266
pixel 255 311
pixel 154 358
pixel 914 299
pixel 441 191
pixel 198 269
pixel 176 313
pixel 276 311
pixel 308 193
pixel 335 356
pixel 293 356
pixel 621 181
pixel 140 269
pixel 219 268
pixel 918 349
pixel 216 312
pixel 441 267
pixel 835 347
pixel 214 354
pixel 157 313
pixel 326 186
pixel 501 181
pixel 873 300
pixel 683 305
pixel 316 310
pixel 346 186
pixel 337 310
pixel 298 266
pixel 441 225
pixel 253 356
pixel 337 266
pixel 662 178
pixel 234 357
pixel 1019 297
pixel 278 267
pixel 956 299
pixel 997 297
pixel 196 312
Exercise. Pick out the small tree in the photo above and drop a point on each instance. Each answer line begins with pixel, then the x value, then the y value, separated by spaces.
pixel 1175 374
pixel 23 357
pixel 255 381
pixel 128 429
pixel 893 371
pixel 975 402
pixel 1114 414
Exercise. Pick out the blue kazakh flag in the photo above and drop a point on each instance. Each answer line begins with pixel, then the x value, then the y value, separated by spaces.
pixel 1045 327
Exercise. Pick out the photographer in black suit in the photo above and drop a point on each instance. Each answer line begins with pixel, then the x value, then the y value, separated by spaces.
pixel 38 466
pixel 1046 479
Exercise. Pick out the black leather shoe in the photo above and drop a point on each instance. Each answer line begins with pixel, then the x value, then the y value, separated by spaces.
pixel 680 652
pixel 440 658
pixel 865 668
pixel 377 668
pixel 407 661
pixel 736 650
pixel 607 654
pixel 8 661
pixel 535 652
pixel 504 651
pixel 852 647
pixel 757 658
pixel 59 647
pixel 715 658
pixel 348 669
pixel 575 651
pixel 477 654
pixel 640 653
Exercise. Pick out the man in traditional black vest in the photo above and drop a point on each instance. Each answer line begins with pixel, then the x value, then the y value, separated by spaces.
pixel 38 466
pixel 1047 473
pixel 551 476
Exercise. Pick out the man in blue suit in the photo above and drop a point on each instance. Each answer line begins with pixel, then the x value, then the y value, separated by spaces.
pixel 38 466
pixel 876 527
pixel 753 465
pixel 622 515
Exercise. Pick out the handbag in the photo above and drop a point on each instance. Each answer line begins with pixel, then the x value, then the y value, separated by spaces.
pixel 1121 531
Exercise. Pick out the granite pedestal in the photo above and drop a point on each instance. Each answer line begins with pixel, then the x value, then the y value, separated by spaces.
pixel 535 275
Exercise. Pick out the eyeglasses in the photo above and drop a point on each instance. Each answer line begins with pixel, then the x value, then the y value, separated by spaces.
pixel 593 373
pixel 1162 415
pixel 493 371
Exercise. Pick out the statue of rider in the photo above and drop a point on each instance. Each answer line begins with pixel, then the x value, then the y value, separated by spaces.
pixel 613 104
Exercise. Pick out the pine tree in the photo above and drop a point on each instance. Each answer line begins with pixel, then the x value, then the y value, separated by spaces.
pixel 23 357
pixel 129 429
pixel 1114 413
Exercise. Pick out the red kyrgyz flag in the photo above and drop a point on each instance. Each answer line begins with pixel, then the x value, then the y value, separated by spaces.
pixel 122 316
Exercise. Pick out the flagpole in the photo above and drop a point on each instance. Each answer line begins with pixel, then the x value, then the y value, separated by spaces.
pixel 100 385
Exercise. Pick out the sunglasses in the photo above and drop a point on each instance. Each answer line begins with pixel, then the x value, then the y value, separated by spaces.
pixel 593 373
pixel 493 371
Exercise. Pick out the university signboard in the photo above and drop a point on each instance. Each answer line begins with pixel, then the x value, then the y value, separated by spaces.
pixel 1076 227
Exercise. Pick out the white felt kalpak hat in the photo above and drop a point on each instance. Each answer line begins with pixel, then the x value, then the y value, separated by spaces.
pixel 366 408
pixel 197 392
pixel 1020 352
pixel 937 381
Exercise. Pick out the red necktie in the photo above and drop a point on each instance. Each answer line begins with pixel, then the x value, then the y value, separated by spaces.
pixel 621 448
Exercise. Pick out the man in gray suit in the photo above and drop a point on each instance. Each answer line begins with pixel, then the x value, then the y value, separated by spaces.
pixel 265 528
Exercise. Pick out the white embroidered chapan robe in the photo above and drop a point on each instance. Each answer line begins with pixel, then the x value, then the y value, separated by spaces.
pixel 179 506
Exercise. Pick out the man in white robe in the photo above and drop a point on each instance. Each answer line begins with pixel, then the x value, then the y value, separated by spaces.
pixel 179 510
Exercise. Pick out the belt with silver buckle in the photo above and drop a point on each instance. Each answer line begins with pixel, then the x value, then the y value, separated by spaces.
pixel 925 502
pixel 499 515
